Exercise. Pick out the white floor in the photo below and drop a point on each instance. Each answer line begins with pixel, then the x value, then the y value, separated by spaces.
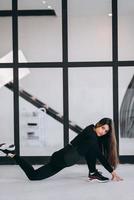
pixel 69 184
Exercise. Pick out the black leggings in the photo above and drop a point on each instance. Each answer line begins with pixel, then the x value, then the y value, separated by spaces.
pixel 65 157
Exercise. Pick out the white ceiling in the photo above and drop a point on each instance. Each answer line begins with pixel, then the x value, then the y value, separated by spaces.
pixel 75 7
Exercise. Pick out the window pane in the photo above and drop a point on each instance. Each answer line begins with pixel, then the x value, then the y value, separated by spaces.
pixel 41 109
pixel 90 30
pixel 6 107
pixel 126 106
pixel 5 5
pixel 6 40
pixel 38 41
pixel 90 96
pixel 49 4
pixel 41 41
pixel 126 30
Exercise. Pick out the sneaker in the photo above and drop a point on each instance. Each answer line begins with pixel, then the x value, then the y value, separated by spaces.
pixel 7 148
pixel 96 176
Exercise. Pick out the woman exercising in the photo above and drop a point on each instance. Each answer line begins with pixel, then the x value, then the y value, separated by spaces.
pixel 95 142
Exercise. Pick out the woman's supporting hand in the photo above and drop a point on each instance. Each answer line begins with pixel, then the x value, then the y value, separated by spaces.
pixel 115 177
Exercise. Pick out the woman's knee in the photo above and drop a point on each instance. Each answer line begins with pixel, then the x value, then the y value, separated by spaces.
pixel 35 178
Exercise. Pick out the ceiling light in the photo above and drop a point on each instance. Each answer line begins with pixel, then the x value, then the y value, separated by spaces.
pixel 49 7
pixel 110 14
pixel 43 2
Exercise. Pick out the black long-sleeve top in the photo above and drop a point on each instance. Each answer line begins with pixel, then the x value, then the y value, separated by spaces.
pixel 87 142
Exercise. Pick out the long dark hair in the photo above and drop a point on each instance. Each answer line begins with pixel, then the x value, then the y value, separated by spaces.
pixel 107 143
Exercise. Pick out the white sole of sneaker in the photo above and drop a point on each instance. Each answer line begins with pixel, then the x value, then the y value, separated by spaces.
pixel 8 147
pixel 98 181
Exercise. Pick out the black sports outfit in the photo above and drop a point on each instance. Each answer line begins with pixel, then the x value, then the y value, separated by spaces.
pixel 85 144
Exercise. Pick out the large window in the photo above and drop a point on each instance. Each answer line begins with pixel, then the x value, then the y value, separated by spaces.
pixel 6 40
pixel 6 107
pixel 41 129
pixel 89 30
pixel 41 41
pixel 72 63
pixel 90 95
pixel 126 110
pixel 126 29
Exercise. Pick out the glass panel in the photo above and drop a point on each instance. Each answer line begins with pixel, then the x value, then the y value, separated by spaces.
pixel 49 4
pixel 41 109
pixel 6 107
pixel 6 40
pixel 90 30
pixel 38 41
pixel 41 41
pixel 126 110
pixel 5 5
pixel 126 29
pixel 90 96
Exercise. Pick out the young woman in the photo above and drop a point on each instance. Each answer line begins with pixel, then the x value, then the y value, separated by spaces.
pixel 95 142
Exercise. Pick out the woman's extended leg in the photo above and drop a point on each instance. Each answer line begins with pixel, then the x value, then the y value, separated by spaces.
pixel 63 158
pixel 37 174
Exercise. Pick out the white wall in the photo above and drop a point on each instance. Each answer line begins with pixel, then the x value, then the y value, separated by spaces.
pixel 40 38
pixel 90 38
pixel 125 38
pixel 5 36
